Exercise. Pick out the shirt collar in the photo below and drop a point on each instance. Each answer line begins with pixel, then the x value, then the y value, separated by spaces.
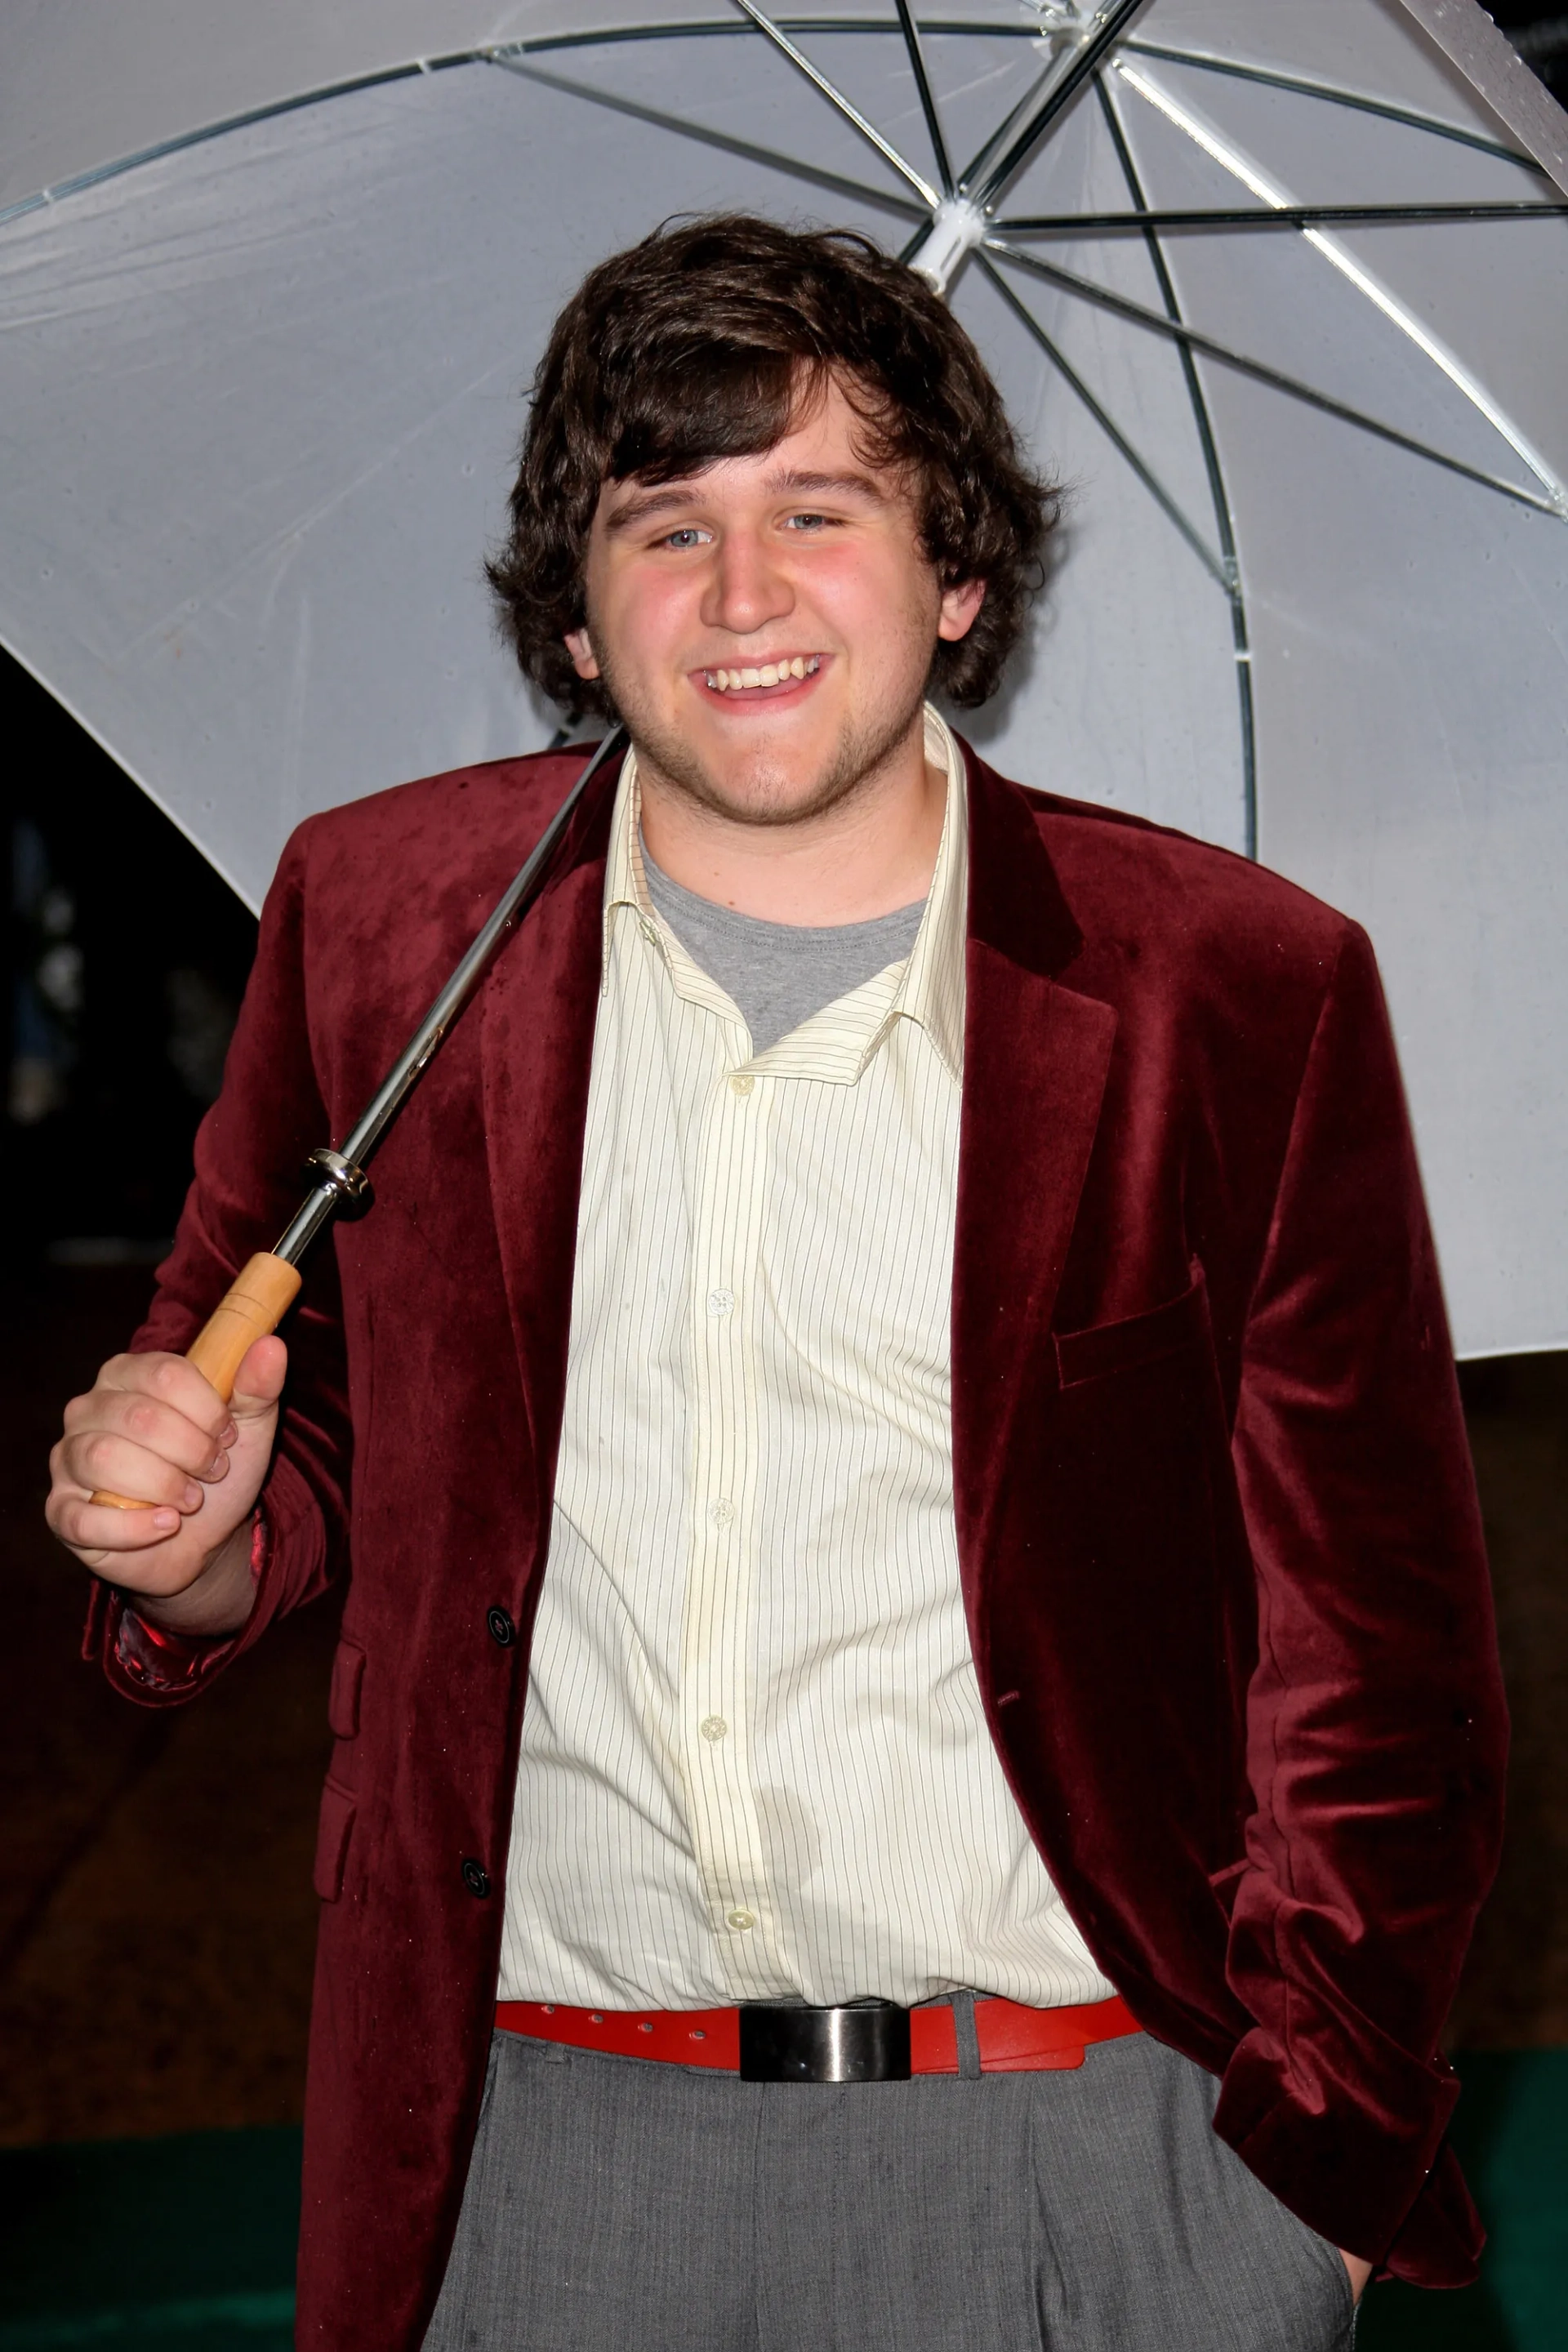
pixel 930 991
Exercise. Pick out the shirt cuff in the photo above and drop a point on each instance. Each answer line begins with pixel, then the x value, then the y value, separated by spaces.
pixel 160 1659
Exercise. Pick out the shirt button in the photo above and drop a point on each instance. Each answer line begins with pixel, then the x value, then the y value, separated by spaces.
pixel 477 1878
pixel 503 1631
pixel 712 1727
pixel 742 1083
pixel 741 1920
pixel 721 1301
pixel 722 1512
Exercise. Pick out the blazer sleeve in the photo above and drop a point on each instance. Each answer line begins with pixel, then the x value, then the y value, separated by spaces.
pixel 249 1175
pixel 1377 1727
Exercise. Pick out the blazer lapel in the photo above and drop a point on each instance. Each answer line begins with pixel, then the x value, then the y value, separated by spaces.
pixel 537 1042
pixel 1035 1059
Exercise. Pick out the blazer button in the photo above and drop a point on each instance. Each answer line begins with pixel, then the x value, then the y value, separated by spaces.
pixel 476 1878
pixel 503 1633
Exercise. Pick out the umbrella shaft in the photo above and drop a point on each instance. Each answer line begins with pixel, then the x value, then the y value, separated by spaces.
pixel 342 1184
pixel 314 1215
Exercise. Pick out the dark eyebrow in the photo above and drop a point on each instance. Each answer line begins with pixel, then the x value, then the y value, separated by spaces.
pixel 864 485
pixel 648 503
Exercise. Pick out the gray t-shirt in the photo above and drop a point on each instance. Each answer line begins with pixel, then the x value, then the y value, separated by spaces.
pixel 779 974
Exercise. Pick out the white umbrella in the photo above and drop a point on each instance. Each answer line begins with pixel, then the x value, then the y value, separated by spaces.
pixel 270 282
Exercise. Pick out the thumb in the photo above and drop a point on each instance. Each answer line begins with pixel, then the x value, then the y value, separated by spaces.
pixel 259 1384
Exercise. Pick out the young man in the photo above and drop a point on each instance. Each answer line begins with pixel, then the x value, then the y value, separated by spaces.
pixel 1013 1745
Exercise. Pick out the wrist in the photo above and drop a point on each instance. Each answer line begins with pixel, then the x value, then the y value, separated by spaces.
pixel 217 1602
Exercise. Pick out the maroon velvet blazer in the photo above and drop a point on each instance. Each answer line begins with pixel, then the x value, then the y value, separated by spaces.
pixel 1215 1516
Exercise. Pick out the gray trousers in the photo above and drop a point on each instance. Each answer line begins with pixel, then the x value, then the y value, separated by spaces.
pixel 618 2205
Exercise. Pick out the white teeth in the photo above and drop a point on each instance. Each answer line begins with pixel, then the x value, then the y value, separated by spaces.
pixel 734 681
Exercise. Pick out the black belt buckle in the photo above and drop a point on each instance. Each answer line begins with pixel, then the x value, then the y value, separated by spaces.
pixel 868 2042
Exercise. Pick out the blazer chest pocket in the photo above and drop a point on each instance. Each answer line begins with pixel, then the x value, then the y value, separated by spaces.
pixel 1134 1341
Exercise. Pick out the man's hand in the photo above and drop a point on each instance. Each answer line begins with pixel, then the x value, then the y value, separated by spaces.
pixel 153 1428
pixel 1360 2273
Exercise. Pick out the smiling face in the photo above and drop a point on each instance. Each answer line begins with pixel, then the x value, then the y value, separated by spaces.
pixel 766 626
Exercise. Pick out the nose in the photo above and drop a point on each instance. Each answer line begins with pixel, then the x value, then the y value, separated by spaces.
pixel 747 587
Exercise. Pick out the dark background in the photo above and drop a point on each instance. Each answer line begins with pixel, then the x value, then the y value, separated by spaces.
pixel 1540 34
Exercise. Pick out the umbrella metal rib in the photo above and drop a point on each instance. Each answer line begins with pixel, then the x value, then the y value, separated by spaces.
pixel 912 34
pixel 1139 315
pixel 519 62
pixel 1271 77
pixel 79 182
pixel 837 100
pixel 1078 224
pixel 1225 521
pixel 1239 166
pixel 1162 497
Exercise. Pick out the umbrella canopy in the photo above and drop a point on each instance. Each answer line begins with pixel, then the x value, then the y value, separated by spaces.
pixel 271 281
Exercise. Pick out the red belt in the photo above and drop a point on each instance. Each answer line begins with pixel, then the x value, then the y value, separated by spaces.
pixel 1013 2040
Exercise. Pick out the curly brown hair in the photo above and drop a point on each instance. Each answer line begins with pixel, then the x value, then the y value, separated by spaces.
pixel 700 343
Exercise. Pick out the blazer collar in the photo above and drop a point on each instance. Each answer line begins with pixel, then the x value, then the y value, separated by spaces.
pixel 1015 902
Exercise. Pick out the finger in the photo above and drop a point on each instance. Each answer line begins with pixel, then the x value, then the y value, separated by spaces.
pixel 102 1462
pixel 172 1381
pixel 148 1422
pixel 98 1532
pixel 259 1384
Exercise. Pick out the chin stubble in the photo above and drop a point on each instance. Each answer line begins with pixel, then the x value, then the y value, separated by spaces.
pixel 860 754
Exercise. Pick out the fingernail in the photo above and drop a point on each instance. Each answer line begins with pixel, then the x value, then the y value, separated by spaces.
pixel 193 1498
pixel 166 1521
pixel 228 1437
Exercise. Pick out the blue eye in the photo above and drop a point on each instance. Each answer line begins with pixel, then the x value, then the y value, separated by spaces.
pixel 688 537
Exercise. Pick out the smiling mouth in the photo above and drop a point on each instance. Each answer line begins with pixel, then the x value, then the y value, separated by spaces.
pixel 766 673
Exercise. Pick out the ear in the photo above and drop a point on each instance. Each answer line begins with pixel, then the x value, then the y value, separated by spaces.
pixel 959 607
pixel 584 660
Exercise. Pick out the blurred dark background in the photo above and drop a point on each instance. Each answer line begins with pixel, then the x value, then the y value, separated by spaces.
pixel 1541 36
pixel 156 1920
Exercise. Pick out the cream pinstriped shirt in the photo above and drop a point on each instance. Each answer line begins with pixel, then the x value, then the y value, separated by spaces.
pixel 754 1763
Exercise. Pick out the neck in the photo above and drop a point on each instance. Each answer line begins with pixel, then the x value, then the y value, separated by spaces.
pixel 869 854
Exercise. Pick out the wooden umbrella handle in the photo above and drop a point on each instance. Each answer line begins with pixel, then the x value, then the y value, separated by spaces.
pixel 257 1302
